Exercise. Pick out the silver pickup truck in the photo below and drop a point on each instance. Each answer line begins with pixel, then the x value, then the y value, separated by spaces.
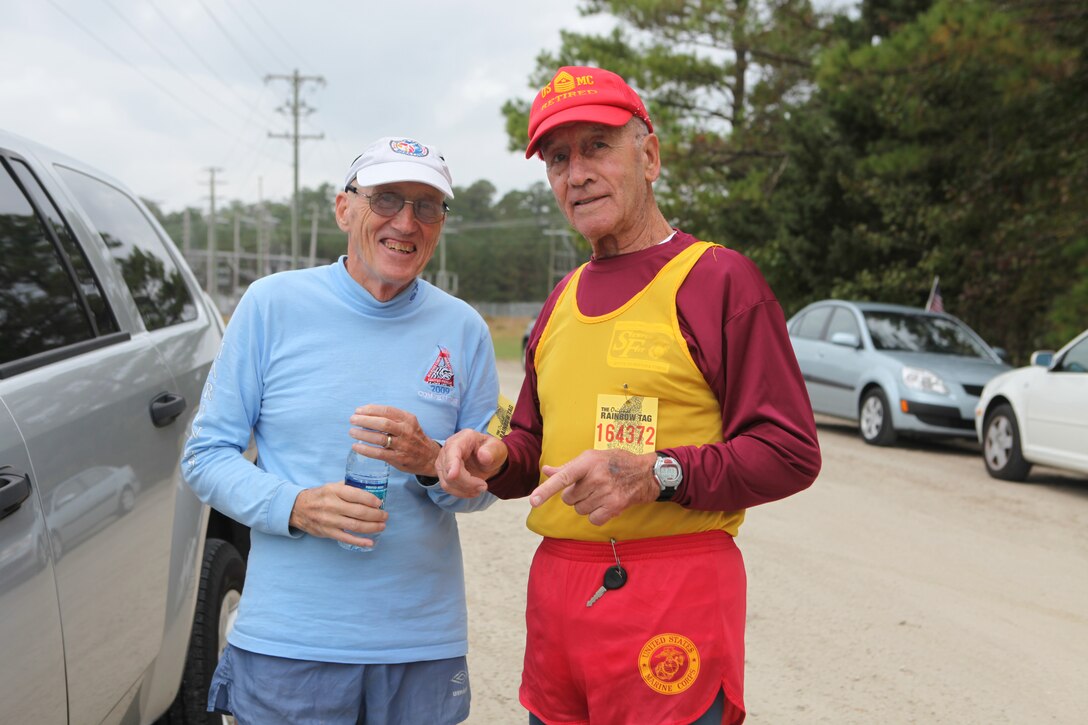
pixel 117 586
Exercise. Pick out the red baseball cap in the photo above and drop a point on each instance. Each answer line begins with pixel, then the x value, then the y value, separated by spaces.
pixel 580 93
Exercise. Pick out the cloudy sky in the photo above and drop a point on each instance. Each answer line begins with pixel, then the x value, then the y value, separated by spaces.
pixel 155 92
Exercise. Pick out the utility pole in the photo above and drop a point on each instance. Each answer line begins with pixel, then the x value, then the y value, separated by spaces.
pixel 236 267
pixel 211 283
pixel 296 108
pixel 262 259
pixel 562 257
pixel 443 279
pixel 186 234
pixel 313 235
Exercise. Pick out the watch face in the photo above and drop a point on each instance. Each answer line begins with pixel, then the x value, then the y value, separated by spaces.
pixel 667 472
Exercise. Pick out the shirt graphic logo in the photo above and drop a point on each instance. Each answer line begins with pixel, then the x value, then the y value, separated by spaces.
pixel 669 663
pixel 640 346
pixel 440 376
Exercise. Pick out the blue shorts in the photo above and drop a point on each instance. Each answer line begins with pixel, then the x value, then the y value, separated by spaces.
pixel 264 690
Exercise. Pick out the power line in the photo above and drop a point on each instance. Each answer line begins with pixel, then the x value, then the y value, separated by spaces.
pixel 238 137
pixel 136 68
pixel 200 57
pixel 247 26
pixel 257 10
pixel 253 108
pixel 230 38
pixel 344 155
pixel 219 103
pixel 247 176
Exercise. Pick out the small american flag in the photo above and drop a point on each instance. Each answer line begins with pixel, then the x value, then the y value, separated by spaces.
pixel 935 303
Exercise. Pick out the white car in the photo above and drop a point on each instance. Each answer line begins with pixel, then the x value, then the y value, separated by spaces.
pixel 1037 414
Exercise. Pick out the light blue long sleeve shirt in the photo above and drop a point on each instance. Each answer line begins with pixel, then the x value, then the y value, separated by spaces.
pixel 302 351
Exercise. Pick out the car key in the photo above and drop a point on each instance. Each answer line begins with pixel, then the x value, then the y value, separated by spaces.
pixel 614 578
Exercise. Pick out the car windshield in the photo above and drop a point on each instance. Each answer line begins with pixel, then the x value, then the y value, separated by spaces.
pixel 921 333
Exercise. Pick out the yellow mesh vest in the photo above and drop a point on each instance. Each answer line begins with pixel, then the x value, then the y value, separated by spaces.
pixel 638 345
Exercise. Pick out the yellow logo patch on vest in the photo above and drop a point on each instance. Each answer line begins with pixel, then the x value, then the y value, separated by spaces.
pixel 626 422
pixel 640 346
pixel 669 663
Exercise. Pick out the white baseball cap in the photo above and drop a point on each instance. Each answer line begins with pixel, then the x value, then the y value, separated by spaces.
pixel 392 158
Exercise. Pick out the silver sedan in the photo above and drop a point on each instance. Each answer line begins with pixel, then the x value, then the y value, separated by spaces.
pixel 892 368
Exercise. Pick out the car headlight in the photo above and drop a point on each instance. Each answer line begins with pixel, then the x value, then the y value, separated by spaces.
pixel 925 380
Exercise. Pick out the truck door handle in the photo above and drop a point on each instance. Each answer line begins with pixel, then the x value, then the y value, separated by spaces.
pixel 14 489
pixel 165 408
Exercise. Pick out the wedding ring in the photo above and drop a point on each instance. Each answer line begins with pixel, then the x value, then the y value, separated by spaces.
pixel 388 440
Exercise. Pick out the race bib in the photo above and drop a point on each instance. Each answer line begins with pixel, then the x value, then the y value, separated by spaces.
pixel 626 422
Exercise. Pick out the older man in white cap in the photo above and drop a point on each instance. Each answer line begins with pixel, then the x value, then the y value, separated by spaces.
pixel 325 634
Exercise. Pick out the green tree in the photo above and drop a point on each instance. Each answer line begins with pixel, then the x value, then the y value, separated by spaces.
pixel 718 79
pixel 950 147
pixel 500 250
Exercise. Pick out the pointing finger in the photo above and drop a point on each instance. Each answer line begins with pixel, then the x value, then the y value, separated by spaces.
pixel 559 480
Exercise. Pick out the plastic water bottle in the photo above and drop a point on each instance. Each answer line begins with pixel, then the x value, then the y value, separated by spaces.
pixel 369 474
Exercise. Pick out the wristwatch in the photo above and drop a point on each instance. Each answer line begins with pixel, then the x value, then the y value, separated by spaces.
pixel 668 474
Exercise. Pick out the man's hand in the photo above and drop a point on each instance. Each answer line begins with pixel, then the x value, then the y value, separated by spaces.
pixel 601 484
pixel 467 460
pixel 409 449
pixel 328 510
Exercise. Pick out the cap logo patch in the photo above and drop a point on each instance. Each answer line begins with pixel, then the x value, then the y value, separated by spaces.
pixel 669 663
pixel 408 147
pixel 564 82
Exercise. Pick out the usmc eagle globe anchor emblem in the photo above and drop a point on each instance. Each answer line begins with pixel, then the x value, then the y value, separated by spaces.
pixel 669 663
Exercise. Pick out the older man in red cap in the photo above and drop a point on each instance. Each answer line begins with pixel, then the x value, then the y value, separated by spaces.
pixel 661 399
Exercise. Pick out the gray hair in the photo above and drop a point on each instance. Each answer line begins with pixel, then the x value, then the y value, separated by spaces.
pixel 639 129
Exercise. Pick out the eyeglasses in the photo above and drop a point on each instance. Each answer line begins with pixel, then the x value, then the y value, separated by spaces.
pixel 389 203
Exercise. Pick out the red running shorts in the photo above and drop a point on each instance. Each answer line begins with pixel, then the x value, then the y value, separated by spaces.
pixel 657 650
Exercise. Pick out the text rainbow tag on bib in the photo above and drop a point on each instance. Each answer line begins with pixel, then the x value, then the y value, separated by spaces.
pixel 625 422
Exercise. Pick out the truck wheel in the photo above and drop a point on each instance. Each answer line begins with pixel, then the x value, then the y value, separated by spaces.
pixel 221 579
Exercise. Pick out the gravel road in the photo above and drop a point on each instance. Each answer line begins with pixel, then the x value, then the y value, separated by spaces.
pixel 906 586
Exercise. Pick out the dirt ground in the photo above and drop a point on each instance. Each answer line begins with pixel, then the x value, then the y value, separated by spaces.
pixel 906 586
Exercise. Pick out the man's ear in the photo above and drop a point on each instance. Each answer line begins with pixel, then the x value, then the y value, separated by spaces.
pixel 651 150
pixel 342 211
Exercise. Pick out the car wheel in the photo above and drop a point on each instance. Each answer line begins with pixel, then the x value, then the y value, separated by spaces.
pixel 127 499
pixel 221 579
pixel 875 421
pixel 1001 446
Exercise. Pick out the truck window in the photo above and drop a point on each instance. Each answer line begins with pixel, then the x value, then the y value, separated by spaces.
pixel 40 306
pixel 81 269
pixel 149 271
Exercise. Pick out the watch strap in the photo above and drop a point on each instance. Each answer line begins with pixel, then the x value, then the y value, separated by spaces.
pixel 667 492
pixel 429 481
